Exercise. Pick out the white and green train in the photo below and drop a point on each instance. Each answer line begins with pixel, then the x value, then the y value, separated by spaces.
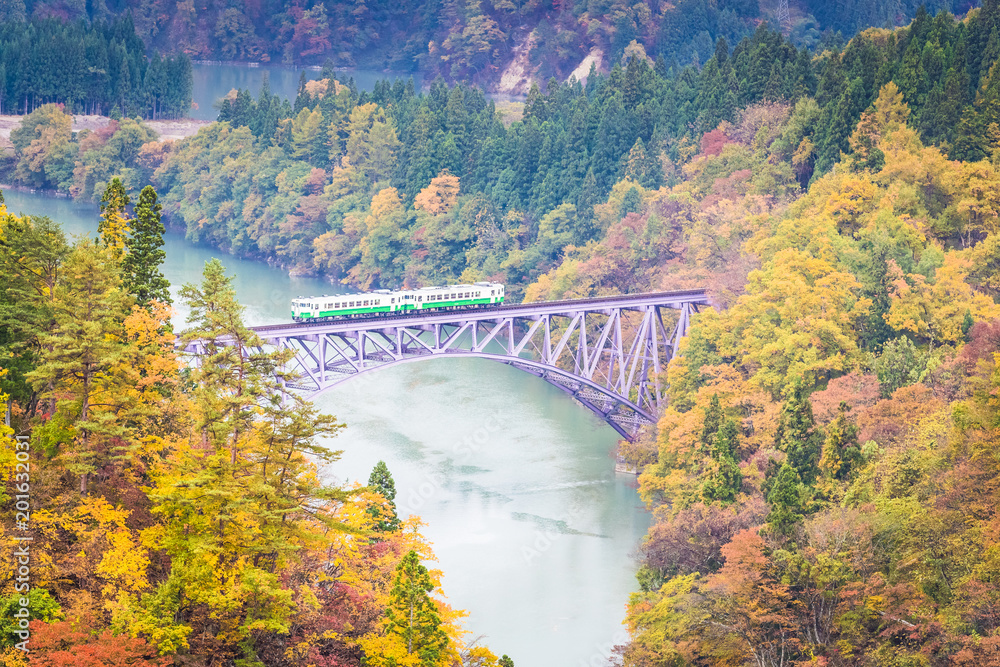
pixel 386 302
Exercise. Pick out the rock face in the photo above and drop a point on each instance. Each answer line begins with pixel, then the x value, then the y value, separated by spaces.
pixel 582 71
pixel 518 75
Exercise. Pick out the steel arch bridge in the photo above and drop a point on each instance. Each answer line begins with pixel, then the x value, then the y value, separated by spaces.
pixel 606 352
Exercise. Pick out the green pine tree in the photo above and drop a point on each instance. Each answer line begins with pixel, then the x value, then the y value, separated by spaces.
pixel 412 614
pixel 786 505
pixel 797 436
pixel 712 422
pixel 724 479
pixel 232 380
pixel 381 482
pixel 841 452
pixel 141 266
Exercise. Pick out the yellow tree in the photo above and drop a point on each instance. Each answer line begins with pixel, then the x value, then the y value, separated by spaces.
pixel 887 114
pixel 113 226
pixel 439 196
pixel 239 504
pixel 795 322
pixel 936 310
pixel 978 203
pixel 384 245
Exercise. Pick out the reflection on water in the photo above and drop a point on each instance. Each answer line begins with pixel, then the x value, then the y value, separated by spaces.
pixel 515 481
pixel 212 82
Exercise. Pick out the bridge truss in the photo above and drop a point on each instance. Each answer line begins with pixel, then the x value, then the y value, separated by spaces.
pixel 608 353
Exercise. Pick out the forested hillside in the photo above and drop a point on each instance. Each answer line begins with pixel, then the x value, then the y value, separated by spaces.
pixel 95 68
pixel 469 40
pixel 395 187
pixel 176 514
pixel 825 481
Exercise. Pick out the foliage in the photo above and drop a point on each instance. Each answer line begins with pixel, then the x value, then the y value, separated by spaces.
pixel 89 67
pixel 181 512
pixel 298 183
pixel 866 511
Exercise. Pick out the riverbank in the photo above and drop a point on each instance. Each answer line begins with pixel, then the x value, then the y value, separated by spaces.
pixel 168 130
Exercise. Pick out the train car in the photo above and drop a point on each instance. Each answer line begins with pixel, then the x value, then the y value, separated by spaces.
pixel 382 303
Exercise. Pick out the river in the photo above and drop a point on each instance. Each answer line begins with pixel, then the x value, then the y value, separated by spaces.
pixel 214 81
pixel 515 481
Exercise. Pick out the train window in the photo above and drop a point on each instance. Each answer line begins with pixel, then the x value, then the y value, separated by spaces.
pixel 420 298
pixel 393 300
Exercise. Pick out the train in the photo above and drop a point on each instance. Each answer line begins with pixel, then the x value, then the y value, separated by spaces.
pixel 382 303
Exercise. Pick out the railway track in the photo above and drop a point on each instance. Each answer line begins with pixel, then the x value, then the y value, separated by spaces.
pixel 506 310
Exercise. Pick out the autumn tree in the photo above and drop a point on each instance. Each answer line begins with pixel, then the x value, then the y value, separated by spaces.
pixel 439 196
pixel 89 308
pixel 242 504
pixel 114 224
pixel 77 642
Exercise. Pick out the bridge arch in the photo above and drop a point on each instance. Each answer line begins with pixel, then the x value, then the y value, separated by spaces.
pixel 620 413
pixel 608 353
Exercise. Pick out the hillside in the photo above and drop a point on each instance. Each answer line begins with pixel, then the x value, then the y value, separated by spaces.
pixel 825 481
pixel 311 185
pixel 470 40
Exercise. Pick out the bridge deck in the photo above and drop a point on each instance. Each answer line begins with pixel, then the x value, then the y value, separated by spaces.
pixel 611 364
pixel 661 299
